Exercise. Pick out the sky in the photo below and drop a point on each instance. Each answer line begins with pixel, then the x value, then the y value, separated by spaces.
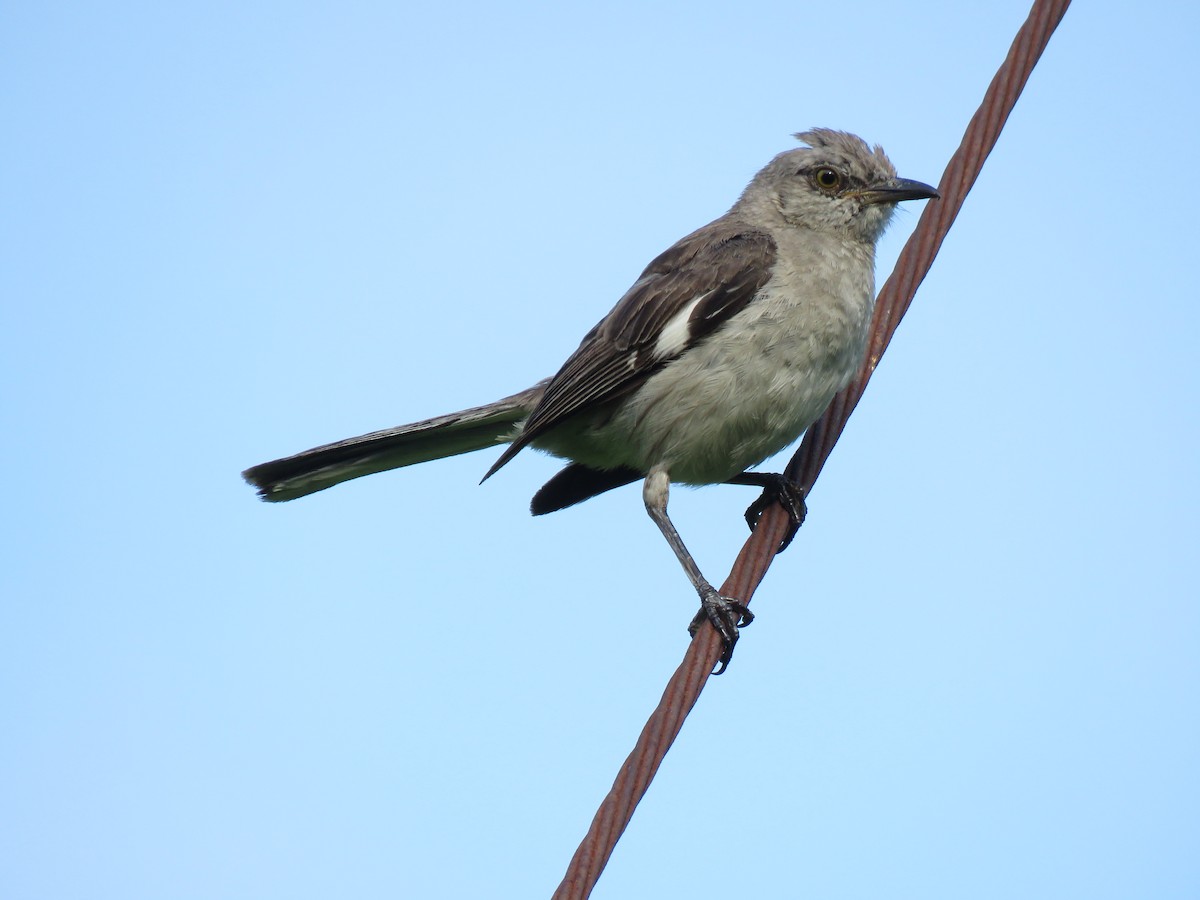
pixel 229 232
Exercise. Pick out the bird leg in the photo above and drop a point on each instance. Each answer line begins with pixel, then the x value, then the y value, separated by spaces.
pixel 726 614
pixel 779 489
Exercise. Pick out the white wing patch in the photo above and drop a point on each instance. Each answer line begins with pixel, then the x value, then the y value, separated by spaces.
pixel 676 334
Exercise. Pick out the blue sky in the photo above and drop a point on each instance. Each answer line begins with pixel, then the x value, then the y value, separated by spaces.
pixel 229 232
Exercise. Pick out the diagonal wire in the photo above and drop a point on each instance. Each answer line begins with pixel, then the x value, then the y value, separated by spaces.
pixel 914 262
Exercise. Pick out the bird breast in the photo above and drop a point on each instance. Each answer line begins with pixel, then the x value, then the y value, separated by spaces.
pixel 751 387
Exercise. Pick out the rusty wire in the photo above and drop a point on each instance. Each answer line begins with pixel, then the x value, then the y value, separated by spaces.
pixel 914 262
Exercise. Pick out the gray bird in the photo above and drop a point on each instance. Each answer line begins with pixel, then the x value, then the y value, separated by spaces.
pixel 729 345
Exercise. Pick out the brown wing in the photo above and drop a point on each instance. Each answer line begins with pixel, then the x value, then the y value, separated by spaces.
pixel 723 266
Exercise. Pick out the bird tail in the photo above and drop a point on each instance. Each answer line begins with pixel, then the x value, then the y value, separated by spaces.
pixel 460 432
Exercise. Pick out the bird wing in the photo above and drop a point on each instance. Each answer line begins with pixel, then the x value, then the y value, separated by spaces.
pixel 681 297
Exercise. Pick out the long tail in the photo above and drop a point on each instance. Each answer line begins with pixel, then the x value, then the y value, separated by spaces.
pixel 460 432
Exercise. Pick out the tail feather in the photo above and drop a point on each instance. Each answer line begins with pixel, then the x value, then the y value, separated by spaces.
pixel 577 483
pixel 461 432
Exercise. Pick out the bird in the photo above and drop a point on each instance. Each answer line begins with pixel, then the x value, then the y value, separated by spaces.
pixel 726 348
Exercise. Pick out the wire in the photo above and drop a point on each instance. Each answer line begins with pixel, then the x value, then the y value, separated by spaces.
pixel 915 259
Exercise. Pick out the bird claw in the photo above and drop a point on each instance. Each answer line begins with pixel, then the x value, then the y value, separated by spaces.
pixel 788 494
pixel 727 616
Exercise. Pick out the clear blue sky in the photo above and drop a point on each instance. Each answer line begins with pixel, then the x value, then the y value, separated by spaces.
pixel 230 231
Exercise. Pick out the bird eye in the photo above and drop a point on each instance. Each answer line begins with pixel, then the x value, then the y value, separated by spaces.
pixel 827 179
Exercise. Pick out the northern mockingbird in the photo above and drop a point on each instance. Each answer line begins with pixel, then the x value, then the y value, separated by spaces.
pixel 729 345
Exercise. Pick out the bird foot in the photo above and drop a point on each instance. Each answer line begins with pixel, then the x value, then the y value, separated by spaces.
pixel 787 493
pixel 727 616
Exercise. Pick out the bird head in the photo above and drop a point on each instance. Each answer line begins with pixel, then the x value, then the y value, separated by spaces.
pixel 835 183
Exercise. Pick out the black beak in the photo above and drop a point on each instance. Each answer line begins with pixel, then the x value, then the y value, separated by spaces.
pixel 899 189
